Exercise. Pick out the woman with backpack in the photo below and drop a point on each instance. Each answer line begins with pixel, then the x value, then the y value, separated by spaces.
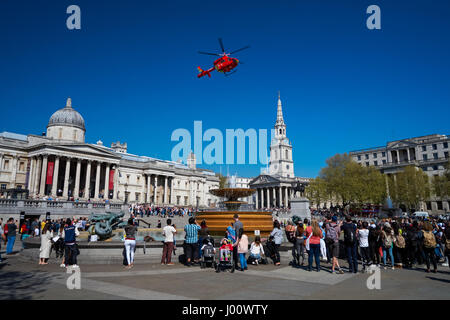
pixel 387 236
pixel 299 245
pixel 429 246
pixel 399 245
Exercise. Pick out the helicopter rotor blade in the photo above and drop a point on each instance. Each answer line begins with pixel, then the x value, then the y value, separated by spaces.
pixel 240 49
pixel 221 45
pixel 209 53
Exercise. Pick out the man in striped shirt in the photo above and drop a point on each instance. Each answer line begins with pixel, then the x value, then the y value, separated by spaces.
pixel 191 242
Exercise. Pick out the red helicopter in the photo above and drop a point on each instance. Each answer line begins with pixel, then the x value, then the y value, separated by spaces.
pixel 224 64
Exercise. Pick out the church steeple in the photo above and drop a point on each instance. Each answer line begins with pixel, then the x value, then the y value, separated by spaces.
pixel 280 162
pixel 280 126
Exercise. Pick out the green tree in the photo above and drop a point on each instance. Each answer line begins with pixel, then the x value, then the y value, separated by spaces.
pixel 316 192
pixel 222 181
pixel 441 184
pixel 410 187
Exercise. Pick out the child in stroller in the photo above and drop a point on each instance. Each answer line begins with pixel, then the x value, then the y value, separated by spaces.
pixel 225 256
pixel 208 253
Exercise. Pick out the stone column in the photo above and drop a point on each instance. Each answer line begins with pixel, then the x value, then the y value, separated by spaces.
pixel 165 189
pixel 155 189
pixel 148 189
pixel 409 156
pixel 55 178
pixel 286 197
pixel 398 156
pixel 268 198
pixel 14 170
pixel 1 161
pixel 257 195
pixel 66 179
pixel 116 183
pixel 172 194
pixel 31 173
pixel 36 176
pixel 97 180
pixel 76 191
pixel 87 188
pixel 43 175
pixel 280 195
pixel 106 191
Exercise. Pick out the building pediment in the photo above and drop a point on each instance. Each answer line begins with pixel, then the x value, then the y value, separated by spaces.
pixel 80 149
pixel 401 144
pixel 264 179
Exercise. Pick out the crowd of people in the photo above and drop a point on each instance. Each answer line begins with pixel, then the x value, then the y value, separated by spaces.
pixel 141 210
pixel 387 243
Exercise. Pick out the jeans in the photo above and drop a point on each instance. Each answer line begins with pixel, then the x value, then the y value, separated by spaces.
pixel 430 255
pixel 314 250
pixel 70 256
pixel 385 252
pixel 129 249
pixel 297 251
pixel 243 260
pixel 352 257
pixel 10 244
pixel 364 251
pixel 277 253
pixel 200 244
pixel 255 256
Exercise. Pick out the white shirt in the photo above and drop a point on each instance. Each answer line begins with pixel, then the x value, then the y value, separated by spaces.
pixel 363 238
pixel 254 249
pixel 168 232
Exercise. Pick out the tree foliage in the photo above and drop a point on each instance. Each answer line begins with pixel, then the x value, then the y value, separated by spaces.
pixel 441 184
pixel 345 181
pixel 409 187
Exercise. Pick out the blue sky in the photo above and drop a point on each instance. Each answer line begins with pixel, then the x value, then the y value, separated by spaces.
pixel 131 71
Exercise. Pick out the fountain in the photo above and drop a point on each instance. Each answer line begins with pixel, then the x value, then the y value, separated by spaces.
pixel 218 221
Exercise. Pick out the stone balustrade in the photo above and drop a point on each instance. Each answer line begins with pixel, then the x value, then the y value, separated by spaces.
pixel 58 208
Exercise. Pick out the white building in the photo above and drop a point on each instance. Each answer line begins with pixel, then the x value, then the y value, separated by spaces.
pixel 60 164
pixel 430 153
pixel 274 186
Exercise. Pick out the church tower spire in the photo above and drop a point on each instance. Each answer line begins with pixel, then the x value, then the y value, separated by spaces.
pixel 280 162
pixel 280 126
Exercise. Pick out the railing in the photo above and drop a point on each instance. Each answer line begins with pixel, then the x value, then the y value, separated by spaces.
pixel 60 205
pixel 8 203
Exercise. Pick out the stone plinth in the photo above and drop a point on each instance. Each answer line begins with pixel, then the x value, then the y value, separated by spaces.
pixel 300 208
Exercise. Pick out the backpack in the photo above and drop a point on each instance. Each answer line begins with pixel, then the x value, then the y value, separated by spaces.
pixel 331 234
pixel 387 241
pixel 400 243
pixel 429 240
pixel 350 234
pixel 290 236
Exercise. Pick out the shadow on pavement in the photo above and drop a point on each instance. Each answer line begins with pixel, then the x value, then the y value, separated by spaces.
pixel 438 279
pixel 23 285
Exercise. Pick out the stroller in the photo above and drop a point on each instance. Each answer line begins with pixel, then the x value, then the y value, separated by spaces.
pixel 208 254
pixel 226 257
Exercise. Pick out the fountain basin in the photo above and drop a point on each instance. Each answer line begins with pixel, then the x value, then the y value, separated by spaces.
pixel 218 221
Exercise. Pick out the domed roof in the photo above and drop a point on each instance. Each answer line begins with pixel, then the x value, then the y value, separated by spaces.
pixel 67 116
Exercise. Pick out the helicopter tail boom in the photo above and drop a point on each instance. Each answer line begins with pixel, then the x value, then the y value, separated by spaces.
pixel 204 72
